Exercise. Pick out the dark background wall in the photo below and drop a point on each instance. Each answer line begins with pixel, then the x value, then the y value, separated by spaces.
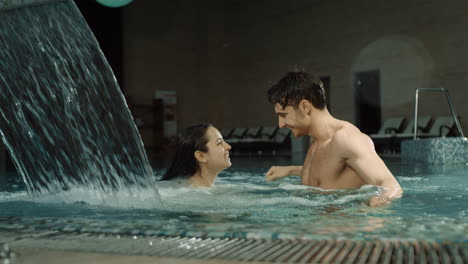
pixel 221 56
pixel 106 24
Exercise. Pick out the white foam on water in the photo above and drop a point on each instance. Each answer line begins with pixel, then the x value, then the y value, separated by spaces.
pixel 126 199
pixel 250 196
pixel 410 179
pixel 290 186
pixel 13 196
pixel 223 197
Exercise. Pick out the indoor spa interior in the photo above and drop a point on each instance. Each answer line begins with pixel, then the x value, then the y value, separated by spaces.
pixel 233 131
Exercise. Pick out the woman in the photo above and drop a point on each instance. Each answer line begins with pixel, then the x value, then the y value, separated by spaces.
pixel 200 156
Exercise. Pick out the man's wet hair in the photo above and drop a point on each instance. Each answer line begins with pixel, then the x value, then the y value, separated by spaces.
pixel 297 86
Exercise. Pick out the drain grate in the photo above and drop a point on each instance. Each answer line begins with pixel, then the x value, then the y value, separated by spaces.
pixel 245 249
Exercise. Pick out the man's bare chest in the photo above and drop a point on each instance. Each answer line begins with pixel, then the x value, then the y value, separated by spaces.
pixel 322 167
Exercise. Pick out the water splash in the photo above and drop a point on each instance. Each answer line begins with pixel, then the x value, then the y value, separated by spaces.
pixel 62 116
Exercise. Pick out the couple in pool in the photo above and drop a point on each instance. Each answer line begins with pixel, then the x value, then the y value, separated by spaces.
pixel 340 156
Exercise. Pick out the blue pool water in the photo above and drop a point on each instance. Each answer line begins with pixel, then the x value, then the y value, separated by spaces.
pixel 434 207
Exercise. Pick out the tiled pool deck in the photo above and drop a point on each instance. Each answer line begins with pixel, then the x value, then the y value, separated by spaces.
pixel 441 150
pixel 29 244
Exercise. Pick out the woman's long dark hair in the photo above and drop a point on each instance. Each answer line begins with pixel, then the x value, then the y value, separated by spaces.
pixel 184 163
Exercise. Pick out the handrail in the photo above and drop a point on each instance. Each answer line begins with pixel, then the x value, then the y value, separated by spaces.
pixel 452 108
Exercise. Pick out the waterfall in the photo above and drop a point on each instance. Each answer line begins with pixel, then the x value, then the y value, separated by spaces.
pixel 63 117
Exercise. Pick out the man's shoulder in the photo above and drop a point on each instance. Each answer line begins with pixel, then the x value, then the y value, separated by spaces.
pixel 350 137
pixel 347 131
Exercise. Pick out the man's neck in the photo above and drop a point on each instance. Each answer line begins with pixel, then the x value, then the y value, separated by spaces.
pixel 323 127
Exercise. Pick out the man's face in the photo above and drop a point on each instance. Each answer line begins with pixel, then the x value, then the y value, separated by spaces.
pixel 291 118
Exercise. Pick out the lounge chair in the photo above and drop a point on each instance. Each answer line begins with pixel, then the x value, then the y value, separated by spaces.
pixel 265 135
pixel 389 128
pixel 226 132
pixel 281 135
pixel 237 134
pixel 281 140
pixel 384 140
pixel 423 127
pixel 250 136
pixel 442 127
pixel 247 142
pixel 424 123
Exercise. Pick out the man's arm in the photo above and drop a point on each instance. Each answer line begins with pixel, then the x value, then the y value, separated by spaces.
pixel 359 153
pixel 277 172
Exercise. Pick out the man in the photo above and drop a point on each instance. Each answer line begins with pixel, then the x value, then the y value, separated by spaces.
pixel 341 157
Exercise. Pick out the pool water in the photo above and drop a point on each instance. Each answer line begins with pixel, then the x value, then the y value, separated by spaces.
pixel 434 207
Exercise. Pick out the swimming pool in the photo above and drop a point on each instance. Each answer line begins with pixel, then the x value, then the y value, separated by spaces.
pixel 433 208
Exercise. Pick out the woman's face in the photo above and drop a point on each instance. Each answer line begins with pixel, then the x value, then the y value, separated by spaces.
pixel 218 150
